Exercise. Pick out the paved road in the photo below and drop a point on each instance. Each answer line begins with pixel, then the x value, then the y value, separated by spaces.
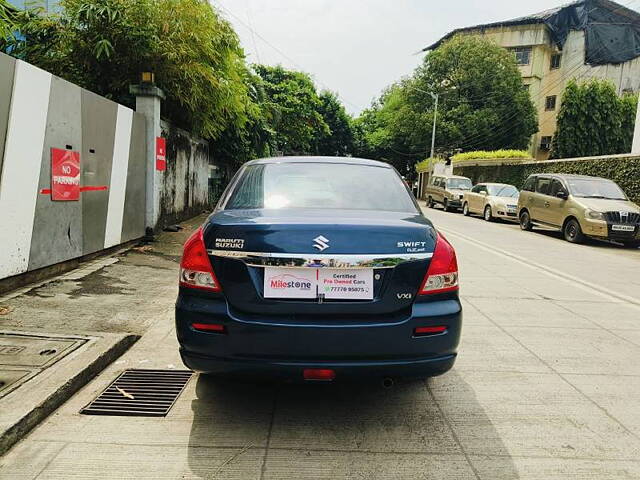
pixel 547 386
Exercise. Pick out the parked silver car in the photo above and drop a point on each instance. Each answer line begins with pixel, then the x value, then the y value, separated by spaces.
pixel 492 200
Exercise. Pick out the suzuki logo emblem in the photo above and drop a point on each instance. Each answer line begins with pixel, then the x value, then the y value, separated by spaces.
pixel 321 243
pixel 624 216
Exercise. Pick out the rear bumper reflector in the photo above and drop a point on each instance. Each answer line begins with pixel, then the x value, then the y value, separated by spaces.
pixel 209 327
pixel 425 331
pixel 322 374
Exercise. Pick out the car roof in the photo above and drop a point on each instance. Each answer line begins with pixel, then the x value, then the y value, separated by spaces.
pixel 567 176
pixel 318 159
pixel 452 176
pixel 496 184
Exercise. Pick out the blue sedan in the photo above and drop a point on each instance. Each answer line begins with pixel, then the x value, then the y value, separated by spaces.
pixel 318 269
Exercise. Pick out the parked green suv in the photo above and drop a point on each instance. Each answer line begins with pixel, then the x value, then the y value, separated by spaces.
pixel 579 206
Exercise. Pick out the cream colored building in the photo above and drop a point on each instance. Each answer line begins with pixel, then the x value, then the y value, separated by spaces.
pixel 548 60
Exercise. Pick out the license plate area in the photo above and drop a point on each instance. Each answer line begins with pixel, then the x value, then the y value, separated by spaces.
pixel 623 228
pixel 318 283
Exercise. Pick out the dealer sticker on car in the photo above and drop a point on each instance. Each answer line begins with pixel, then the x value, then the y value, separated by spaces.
pixel 309 283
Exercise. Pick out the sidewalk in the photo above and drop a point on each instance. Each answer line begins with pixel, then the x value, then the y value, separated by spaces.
pixel 59 334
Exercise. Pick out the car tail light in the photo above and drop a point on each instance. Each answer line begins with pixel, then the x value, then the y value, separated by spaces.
pixel 323 374
pixel 195 267
pixel 442 275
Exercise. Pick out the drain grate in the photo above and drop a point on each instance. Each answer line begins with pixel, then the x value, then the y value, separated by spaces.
pixel 141 393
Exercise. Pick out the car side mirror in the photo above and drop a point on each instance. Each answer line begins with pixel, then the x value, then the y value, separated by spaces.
pixel 562 194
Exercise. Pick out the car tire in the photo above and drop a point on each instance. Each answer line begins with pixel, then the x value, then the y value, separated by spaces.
pixel 573 232
pixel 465 209
pixel 445 205
pixel 488 214
pixel 525 221
pixel 430 202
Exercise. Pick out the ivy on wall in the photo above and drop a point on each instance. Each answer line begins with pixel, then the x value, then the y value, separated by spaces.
pixel 625 171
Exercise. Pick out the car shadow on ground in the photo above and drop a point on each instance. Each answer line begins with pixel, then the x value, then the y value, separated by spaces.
pixel 359 430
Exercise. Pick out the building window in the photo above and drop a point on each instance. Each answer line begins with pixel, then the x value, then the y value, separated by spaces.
pixel 523 55
pixel 556 61
pixel 545 143
pixel 550 104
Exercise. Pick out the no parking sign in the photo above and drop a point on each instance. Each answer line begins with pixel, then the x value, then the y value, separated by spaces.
pixel 65 175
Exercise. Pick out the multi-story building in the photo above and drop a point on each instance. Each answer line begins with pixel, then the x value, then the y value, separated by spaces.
pixel 582 40
pixel 48 5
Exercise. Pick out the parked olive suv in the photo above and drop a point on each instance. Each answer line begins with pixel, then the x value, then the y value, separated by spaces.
pixel 448 191
pixel 579 206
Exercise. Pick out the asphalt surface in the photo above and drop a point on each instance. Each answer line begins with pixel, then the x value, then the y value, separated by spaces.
pixel 546 387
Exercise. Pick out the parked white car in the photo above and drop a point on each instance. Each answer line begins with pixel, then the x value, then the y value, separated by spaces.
pixel 492 200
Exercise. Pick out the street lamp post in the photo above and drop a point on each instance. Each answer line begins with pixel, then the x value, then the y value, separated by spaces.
pixel 435 96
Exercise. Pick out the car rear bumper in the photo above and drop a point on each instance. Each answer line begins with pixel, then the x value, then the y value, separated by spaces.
pixel 293 371
pixel 284 348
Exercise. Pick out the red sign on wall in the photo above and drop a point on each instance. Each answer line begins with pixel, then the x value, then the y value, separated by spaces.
pixel 65 175
pixel 161 154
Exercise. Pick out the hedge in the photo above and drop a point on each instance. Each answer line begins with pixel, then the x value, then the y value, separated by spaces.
pixel 625 171
pixel 495 155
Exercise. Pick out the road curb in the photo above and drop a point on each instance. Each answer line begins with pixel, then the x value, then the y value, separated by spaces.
pixel 102 351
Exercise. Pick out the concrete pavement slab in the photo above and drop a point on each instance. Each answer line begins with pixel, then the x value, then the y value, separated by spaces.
pixel 529 313
pixel 30 460
pixel 610 315
pixel 617 395
pixel 529 414
pixel 319 465
pixel 360 417
pixel 490 468
pixel 570 350
pixel 490 349
pixel 138 462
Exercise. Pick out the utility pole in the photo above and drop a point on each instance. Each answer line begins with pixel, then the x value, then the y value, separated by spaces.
pixel 435 96
pixel 636 135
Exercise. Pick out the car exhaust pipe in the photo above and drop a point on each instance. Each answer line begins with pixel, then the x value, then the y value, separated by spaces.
pixel 388 383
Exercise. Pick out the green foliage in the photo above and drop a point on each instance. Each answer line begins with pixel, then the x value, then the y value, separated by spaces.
pixel 425 164
pixel 495 155
pixel 339 140
pixel 6 20
pixel 482 105
pixel 593 120
pixel 297 121
pixel 624 171
pixel 104 45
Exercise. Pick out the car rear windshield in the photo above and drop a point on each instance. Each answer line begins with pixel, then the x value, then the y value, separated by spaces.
pixel 503 191
pixel 320 185
pixel 459 184
pixel 587 188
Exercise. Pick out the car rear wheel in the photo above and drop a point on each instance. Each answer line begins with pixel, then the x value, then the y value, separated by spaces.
pixel 573 232
pixel 525 221
pixel 488 214
pixel 465 209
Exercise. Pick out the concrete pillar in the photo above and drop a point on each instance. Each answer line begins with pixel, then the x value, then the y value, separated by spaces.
pixel 636 134
pixel 148 102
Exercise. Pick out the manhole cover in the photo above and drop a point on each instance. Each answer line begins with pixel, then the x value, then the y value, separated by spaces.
pixel 143 393
pixel 23 356
pixel 34 351
pixel 10 379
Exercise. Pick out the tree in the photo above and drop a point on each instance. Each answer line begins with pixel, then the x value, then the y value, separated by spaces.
pixel 593 120
pixel 104 45
pixel 294 101
pixel 339 140
pixel 6 19
pixel 482 103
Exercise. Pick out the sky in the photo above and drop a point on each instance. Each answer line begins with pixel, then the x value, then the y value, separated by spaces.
pixel 356 48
